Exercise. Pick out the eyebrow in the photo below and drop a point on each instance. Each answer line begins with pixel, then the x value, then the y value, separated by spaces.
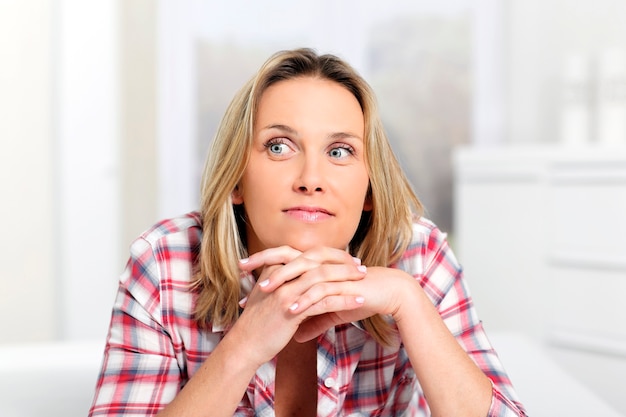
pixel 284 128
pixel 292 131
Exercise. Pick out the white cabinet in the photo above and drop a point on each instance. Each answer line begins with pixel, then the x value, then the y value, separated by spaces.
pixel 541 233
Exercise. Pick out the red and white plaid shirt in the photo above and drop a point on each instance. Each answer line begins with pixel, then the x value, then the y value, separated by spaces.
pixel 154 344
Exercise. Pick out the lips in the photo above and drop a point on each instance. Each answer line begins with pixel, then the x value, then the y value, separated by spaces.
pixel 309 214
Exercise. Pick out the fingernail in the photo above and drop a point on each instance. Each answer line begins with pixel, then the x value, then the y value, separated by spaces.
pixel 356 260
pixel 360 300
pixel 362 268
pixel 243 301
pixel 264 283
pixel 244 260
pixel 293 306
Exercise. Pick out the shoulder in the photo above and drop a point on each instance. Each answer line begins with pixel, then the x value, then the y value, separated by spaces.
pixel 426 238
pixel 156 283
pixel 428 247
pixel 168 243
pixel 179 229
pixel 430 260
pixel 425 228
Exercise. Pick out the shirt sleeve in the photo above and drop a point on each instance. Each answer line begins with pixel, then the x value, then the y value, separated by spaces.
pixel 140 373
pixel 444 283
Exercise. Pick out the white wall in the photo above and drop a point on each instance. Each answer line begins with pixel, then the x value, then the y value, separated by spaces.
pixel 532 267
pixel 520 61
pixel 489 71
pixel 540 36
pixel 59 168
pixel 541 236
pixel 176 80
pixel 87 110
pixel 28 253
pixel 138 120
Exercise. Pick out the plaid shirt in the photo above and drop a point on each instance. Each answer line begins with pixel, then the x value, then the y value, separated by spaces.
pixel 154 345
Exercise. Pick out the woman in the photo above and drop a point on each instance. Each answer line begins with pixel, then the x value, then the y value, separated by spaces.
pixel 308 284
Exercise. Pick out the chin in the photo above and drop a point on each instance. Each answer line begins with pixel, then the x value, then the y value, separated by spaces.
pixel 305 239
pixel 308 244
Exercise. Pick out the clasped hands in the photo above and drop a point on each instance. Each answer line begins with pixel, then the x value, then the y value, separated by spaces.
pixel 302 294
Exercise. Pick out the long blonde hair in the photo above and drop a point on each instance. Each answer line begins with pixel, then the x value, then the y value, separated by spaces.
pixel 383 233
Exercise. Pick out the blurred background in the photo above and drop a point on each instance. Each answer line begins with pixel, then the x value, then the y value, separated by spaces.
pixel 509 117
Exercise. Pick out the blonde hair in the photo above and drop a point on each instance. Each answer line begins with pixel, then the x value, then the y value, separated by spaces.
pixel 383 233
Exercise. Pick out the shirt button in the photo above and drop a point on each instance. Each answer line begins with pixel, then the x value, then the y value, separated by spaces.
pixel 329 382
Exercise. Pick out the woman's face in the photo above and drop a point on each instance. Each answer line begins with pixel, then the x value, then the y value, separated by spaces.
pixel 306 181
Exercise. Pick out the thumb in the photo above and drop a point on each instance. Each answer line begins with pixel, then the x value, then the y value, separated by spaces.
pixel 315 326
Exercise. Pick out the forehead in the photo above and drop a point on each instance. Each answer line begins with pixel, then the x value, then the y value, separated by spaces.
pixel 307 99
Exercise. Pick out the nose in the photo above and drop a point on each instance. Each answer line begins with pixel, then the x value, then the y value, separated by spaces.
pixel 311 176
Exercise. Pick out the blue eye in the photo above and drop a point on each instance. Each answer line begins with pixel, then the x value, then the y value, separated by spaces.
pixel 340 152
pixel 277 147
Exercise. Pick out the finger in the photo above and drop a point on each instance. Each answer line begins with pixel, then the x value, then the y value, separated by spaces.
pixel 315 326
pixel 325 254
pixel 332 304
pixel 272 256
pixel 286 254
pixel 287 272
pixel 325 281
pixel 319 323
pixel 263 278
pixel 311 272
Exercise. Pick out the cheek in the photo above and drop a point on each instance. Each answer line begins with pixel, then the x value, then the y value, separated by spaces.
pixel 260 175
pixel 261 198
pixel 260 188
pixel 355 189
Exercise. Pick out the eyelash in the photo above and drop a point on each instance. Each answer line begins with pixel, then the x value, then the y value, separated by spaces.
pixel 283 141
pixel 275 141
pixel 347 147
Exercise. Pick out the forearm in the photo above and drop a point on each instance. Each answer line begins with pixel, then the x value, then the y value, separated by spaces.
pixel 452 383
pixel 219 384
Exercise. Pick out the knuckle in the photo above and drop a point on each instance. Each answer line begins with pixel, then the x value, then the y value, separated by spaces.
pixel 320 290
pixel 326 303
pixel 282 295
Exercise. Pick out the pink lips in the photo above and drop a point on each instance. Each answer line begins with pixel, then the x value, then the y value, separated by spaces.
pixel 308 214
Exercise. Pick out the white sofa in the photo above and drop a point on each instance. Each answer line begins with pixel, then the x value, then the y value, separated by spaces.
pixel 58 379
pixel 544 387
pixel 51 379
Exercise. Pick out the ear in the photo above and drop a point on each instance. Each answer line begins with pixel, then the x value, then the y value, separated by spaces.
pixel 367 204
pixel 237 195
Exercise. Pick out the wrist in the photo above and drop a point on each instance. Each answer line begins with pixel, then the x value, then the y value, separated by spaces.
pixel 237 345
pixel 410 297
